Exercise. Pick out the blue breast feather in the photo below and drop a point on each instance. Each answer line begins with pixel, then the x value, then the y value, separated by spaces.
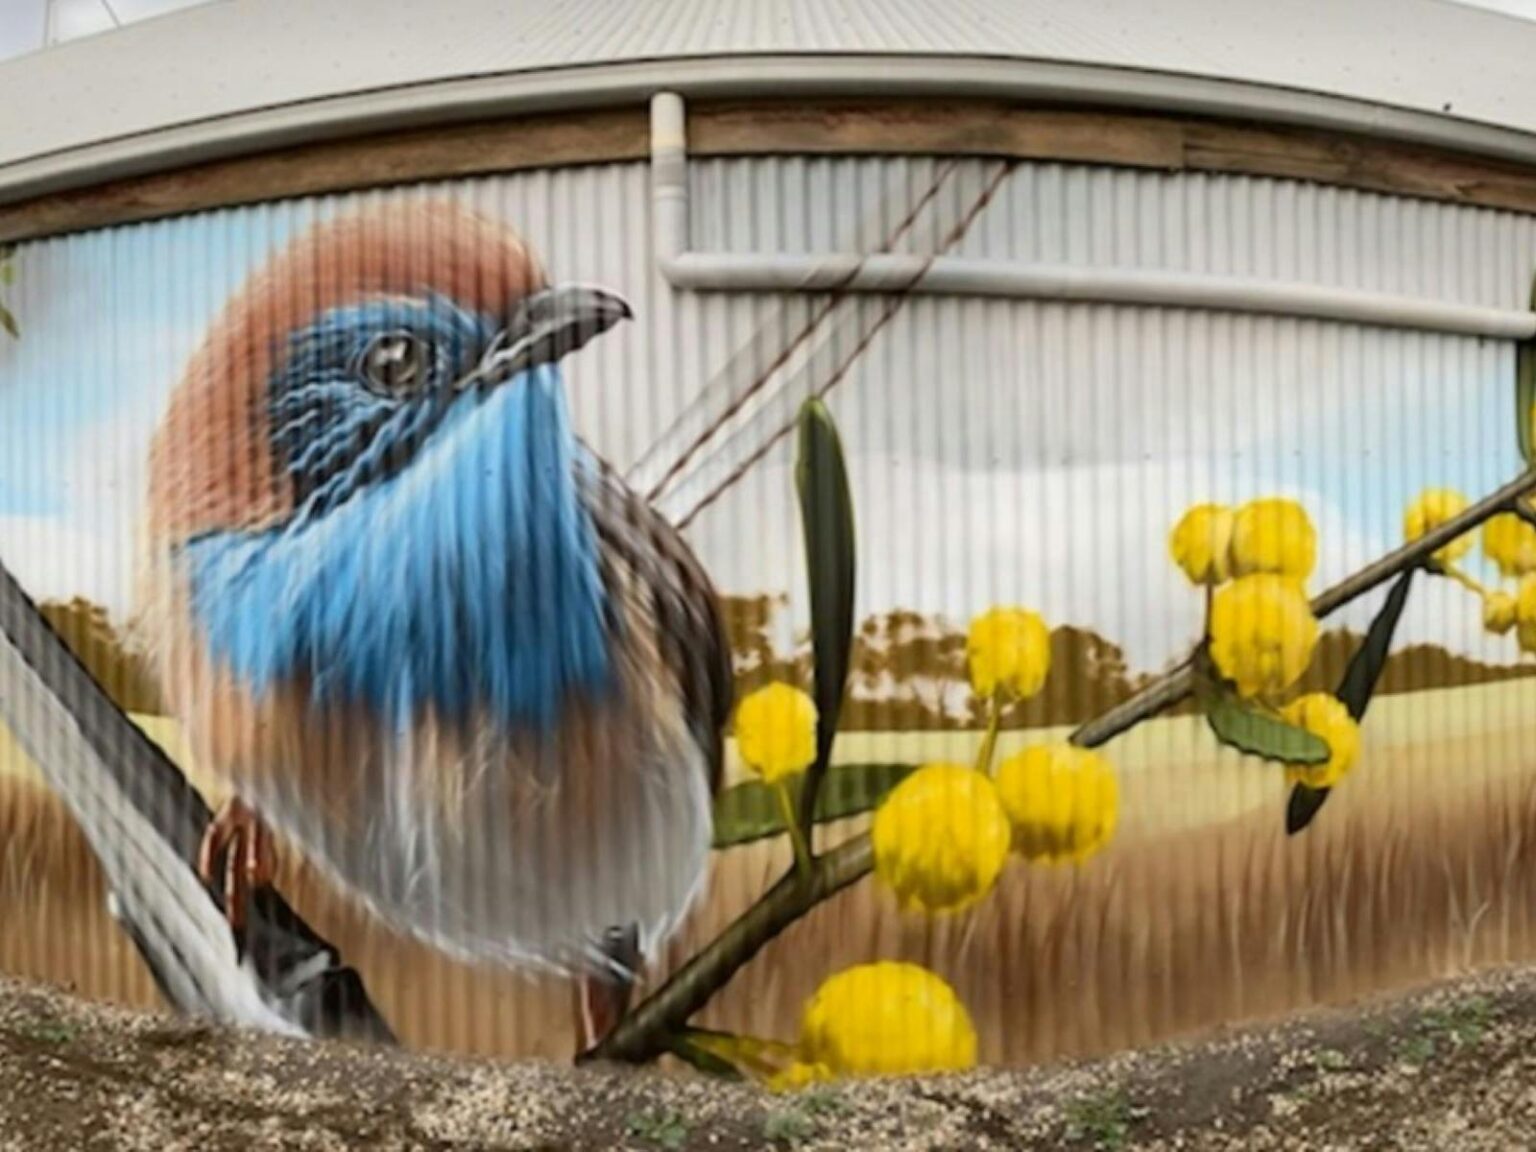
pixel 468 581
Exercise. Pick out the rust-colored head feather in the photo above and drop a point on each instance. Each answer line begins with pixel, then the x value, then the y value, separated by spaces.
pixel 211 463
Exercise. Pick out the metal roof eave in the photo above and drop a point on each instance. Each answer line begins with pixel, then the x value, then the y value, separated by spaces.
pixel 738 77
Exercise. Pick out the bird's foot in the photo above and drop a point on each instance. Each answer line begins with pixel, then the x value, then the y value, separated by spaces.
pixel 237 853
pixel 602 999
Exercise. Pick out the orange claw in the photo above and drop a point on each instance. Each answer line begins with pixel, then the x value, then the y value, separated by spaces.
pixel 238 836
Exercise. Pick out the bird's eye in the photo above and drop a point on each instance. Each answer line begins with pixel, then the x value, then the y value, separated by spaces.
pixel 395 364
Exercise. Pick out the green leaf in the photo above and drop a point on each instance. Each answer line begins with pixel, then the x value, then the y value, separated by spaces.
pixel 8 322
pixel 826 514
pixel 1525 394
pixel 1257 733
pixel 1355 691
pixel 1304 804
pixel 703 1054
pixel 1359 683
pixel 7 272
pixel 750 811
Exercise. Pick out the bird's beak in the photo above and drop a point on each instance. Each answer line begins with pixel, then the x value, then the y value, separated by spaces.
pixel 547 326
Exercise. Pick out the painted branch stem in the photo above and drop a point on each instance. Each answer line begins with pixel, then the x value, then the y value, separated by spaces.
pixel 644 1033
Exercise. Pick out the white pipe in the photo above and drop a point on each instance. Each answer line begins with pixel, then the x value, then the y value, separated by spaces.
pixel 965 276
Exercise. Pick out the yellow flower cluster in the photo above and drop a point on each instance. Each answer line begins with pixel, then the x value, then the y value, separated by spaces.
pixel 941 838
pixel 883 1019
pixel 1510 542
pixel 776 731
pixel 1500 611
pixel 1201 544
pixel 1432 508
pixel 1212 543
pixel 1525 614
pixel 1063 801
pixel 1009 651
pixel 1273 537
pixel 1262 630
pixel 1262 634
pixel 1326 718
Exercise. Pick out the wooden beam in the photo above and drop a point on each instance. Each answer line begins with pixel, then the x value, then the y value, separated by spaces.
pixel 956 127
pixel 336 166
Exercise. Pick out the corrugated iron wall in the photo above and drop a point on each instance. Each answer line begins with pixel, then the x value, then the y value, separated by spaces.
pixel 1000 453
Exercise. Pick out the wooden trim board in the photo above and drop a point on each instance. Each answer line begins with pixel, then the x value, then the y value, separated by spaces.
pixel 957 127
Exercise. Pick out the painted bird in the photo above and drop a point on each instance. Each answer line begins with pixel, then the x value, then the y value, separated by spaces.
pixel 416 624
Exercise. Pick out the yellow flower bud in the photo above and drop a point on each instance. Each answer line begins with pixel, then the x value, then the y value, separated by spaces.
pixel 1274 536
pixel 1499 614
pixel 1525 614
pixel 941 838
pixel 1262 633
pixel 1063 801
pixel 887 1019
pixel 1201 543
pixel 1510 543
pixel 776 731
pixel 1326 718
pixel 1525 600
pixel 1432 508
pixel 1008 649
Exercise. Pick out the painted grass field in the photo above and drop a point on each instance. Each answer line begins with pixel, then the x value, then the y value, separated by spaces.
pixel 1200 912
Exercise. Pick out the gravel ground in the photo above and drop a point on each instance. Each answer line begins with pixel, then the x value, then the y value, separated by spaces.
pixel 1452 1067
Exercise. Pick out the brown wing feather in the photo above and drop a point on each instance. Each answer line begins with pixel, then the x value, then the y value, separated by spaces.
pixel 689 626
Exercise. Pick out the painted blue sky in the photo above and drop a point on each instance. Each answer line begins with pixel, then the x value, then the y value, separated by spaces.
pixel 1056 491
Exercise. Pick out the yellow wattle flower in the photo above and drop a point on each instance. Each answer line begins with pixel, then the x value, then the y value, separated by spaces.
pixel 776 731
pixel 1201 544
pixel 1499 612
pixel 887 1019
pixel 941 838
pixel 1510 543
pixel 1273 536
pixel 1008 649
pixel 1063 801
pixel 1325 717
pixel 1525 614
pixel 1432 508
pixel 1262 633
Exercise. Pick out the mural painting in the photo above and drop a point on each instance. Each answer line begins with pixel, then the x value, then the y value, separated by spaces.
pixel 988 692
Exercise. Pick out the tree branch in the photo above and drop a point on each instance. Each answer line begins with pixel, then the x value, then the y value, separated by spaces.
pixel 642 1035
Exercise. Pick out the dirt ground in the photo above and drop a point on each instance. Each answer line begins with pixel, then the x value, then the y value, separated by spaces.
pixel 1451 1068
